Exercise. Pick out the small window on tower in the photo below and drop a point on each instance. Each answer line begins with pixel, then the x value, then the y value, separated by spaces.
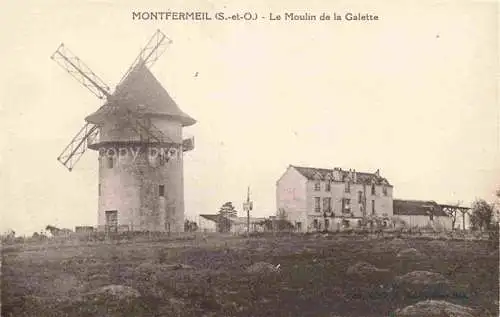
pixel 162 158
pixel 161 190
pixel 110 162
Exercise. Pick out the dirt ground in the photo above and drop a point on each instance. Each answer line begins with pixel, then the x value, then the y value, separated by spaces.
pixel 50 279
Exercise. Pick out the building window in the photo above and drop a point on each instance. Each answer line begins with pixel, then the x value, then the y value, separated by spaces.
pixel 110 162
pixel 99 189
pixel 360 197
pixel 328 186
pixel 347 187
pixel 317 186
pixel 346 205
pixel 327 224
pixel 373 207
pixel 327 203
pixel 431 216
pixel 162 157
pixel 161 190
pixel 315 224
pixel 298 225
pixel 317 206
pixel 373 189
pixel 111 220
pixel 384 190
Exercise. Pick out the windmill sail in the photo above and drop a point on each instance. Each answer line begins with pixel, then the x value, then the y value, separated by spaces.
pixel 80 71
pixel 150 53
pixel 78 145
pixel 84 75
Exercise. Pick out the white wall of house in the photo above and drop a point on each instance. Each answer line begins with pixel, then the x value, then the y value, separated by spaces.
pixel 438 222
pixel 206 225
pixel 298 197
pixel 459 224
pixel 241 228
pixel 291 197
pixel 378 204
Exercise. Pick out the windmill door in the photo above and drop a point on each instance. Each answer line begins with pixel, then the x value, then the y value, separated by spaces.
pixel 112 220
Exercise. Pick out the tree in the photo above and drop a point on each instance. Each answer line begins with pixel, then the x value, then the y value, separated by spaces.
pixel 53 230
pixel 190 226
pixel 453 213
pixel 481 214
pixel 9 235
pixel 227 210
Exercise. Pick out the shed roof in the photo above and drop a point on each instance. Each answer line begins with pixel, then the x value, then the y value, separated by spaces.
pixel 417 208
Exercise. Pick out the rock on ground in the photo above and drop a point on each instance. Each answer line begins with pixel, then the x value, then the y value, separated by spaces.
pixel 363 268
pixel 366 272
pixel 411 252
pixel 398 242
pixel 262 267
pixel 435 308
pixel 393 244
pixel 423 283
pixel 118 292
pixel 154 266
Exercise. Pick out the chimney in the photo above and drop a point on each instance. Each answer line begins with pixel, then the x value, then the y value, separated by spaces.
pixel 355 176
pixel 377 172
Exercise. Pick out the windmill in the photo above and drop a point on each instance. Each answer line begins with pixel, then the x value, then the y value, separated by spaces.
pixel 138 134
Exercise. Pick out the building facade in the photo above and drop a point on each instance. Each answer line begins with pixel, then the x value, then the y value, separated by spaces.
pixel 317 199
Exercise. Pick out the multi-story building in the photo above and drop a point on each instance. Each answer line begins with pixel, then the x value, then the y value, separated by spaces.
pixel 317 198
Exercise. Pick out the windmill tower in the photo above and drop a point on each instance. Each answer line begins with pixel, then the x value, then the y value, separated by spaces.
pixel 138 135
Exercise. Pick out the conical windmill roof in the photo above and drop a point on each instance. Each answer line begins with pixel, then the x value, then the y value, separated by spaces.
pixel 141 92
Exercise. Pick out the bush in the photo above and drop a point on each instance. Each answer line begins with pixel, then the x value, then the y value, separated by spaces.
pixel 493 236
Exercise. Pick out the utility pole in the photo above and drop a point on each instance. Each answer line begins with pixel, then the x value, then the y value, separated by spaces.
pixel 248 206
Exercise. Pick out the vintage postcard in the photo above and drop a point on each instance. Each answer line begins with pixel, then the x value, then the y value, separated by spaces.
pixel 250 158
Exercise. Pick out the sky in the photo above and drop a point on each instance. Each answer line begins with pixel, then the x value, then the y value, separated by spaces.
pixel 413 94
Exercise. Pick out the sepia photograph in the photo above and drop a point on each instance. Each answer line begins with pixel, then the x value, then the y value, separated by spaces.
pixel 250 158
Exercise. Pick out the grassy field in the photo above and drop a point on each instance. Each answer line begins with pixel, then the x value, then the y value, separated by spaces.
pixel 61 279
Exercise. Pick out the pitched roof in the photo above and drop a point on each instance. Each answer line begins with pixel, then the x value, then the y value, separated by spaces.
pixel 362 177
pixel 234 220
pixel 417 208
pixel 243 220
pixel 141 92
pixel 214 217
